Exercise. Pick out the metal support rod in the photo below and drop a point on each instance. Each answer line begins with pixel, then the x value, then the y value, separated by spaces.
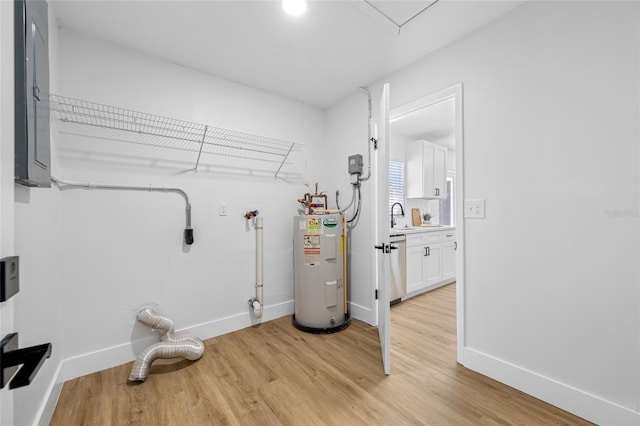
pixel 284 159
pixel 204 135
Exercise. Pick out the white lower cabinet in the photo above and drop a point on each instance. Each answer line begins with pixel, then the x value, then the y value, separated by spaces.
pixel 414 268
pixel 430 260
pixel 433 264
pixel 449 247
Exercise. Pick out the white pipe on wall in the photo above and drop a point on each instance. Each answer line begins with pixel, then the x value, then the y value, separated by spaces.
pixel 257 302
pixel 188 232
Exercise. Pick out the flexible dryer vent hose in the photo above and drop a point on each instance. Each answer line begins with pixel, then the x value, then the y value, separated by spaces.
pixel 170 346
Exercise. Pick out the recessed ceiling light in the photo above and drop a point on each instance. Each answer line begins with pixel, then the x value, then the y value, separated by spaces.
pixel 294 7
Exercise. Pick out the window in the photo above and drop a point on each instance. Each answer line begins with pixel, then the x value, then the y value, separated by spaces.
pixel 396 183
pixel 448 217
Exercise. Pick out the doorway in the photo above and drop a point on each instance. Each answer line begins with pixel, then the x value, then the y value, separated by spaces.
pixel 437 118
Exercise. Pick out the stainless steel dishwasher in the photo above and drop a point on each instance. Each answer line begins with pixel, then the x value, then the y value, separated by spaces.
pixel 398 283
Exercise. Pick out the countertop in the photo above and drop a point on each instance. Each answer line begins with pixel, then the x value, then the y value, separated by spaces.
pixel 418 229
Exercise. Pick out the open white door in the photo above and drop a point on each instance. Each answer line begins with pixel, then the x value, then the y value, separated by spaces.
pixel 383 247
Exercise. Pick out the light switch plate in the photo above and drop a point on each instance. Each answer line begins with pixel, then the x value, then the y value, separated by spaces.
pixel 474 209
pixel 222 209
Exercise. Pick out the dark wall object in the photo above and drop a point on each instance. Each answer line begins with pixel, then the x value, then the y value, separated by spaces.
pixel 9 277
pixel 32 144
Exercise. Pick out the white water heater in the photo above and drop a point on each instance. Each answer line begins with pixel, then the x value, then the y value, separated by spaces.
pixel 319 247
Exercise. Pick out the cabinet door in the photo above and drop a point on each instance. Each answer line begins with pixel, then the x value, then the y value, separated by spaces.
pixel 439 172
pixel 449 260
pixel 415 181
pixel 426 170
pixel 414 268
pixel 428 159
pixel 432 266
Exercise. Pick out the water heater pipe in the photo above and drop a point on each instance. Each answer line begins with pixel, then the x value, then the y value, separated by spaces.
pixel 353 198
pixel 259 265
pixel 257 303
pixel 369 139
pixel 188 231
pixel 344 259
pixel 170 345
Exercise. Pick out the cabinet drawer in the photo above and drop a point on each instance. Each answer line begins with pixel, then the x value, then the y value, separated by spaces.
pixel 448 235
pixel 415 239
pixel 432 237
pixel 423 238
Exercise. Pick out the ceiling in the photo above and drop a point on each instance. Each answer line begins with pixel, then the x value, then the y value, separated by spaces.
pixel 318 58
pixel 435 123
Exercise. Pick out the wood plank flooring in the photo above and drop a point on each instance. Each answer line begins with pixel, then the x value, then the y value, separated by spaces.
pixel 273 374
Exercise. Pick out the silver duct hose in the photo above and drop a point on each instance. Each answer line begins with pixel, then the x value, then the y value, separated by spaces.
pixel 170 346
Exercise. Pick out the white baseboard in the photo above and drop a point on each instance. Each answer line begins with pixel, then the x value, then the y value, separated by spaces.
pixel 427 288
pixel 81 365
pixel 88 363
pixel 239 321
pixel 361 313
pixel 582 404
pixel 48 405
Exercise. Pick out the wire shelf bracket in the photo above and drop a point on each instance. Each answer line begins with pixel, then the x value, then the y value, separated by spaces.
pixel 148 129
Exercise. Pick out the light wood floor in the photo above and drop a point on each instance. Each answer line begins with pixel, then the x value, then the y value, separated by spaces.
pixel 273 374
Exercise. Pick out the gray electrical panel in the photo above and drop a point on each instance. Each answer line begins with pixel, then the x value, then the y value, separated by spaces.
pixel 32 144
pixel 355 164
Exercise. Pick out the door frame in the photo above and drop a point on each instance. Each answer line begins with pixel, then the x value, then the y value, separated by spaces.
pixel 454 92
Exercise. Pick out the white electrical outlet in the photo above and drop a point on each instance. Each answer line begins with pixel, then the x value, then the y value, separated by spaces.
pixel 222 209
pixel 474 209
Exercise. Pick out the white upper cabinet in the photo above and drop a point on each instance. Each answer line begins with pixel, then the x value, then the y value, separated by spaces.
pixel 426 170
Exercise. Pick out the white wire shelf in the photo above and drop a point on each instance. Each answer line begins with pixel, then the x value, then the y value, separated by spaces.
pixel 124 125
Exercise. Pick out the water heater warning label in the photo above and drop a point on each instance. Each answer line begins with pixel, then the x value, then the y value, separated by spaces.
pixel 314 225
pixel 311 248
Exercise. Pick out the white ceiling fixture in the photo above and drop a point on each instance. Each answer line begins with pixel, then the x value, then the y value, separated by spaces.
pixel 294 7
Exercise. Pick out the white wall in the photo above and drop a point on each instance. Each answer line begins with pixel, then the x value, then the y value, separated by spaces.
pixel 123 249
pixel 551 142
pixel 36 233
pixel 451 160
pixel 398 146
pixel 347 121
pixel 38 304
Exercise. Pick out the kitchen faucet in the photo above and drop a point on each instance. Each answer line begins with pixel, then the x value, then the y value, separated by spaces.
pixel 393 222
